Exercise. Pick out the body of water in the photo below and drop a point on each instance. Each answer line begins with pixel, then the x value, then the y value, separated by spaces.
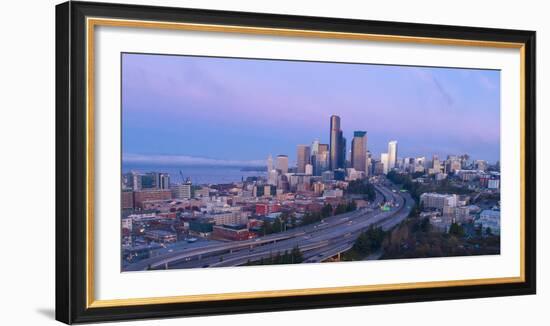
pixel 197 174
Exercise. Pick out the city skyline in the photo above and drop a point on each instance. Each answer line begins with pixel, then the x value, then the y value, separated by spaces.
pixel 165 81
pixel 234 162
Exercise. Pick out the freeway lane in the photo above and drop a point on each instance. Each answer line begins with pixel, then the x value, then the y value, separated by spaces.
pixel 342 245
pixel 314 237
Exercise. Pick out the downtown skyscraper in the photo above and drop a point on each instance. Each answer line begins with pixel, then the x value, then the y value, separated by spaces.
pixel 303 158
pixel 281 164
pixel 337 158
pixel 392 154
pixel 359 151
pixel 320 159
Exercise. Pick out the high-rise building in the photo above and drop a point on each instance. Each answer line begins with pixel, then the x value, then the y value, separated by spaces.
pixel 269 163
pixel 436 165
pixel 335 143
pixel 378 167
pixel 359 151
pixel 181 191
pixel 408 164
pixel 420 164
pixel 464 160
pixel 392 154
pixel 281 163
pixel 162 181
pixel 320 160
pixel 309 169
pixel 452 164
pixel 149 180
pixel 368 166
pixel 384 159
pixel 342 156
pixel 303 156
pixel 481 165
pixel 328 176
pixel 136 182
pixel 315 147
pixel 272 177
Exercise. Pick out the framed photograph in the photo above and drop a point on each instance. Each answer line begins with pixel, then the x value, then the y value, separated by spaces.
pixel 214 162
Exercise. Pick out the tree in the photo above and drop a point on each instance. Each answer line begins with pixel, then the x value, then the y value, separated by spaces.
pixel 296 255
pixel 293 220
pixel 340 209
pixel 311 217
pixel 369 241
pixel 277 226
pixel 352 205
pixel 425 225
pixel 361 187
pixel 326 211
pixel 456 230
pixel 267 228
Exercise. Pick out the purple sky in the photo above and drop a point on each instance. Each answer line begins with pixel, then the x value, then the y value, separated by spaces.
pixel 202 110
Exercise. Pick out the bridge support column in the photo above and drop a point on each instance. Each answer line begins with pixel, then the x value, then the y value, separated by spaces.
pixel 165 265
pixel 200 257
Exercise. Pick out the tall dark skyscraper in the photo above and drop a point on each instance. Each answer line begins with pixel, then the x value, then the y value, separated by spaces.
pixel 359 150
pixel 342 156
pixel 335 159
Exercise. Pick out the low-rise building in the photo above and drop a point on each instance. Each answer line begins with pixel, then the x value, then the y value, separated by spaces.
pixel 161 236
pixel 489 219
pixel 333 193
pixel 220 218
pixel 147 195
pixel 201 227
pixel 267 208
pixel 462 214
pixel 233 232
pixel 127 199
pixel 438 201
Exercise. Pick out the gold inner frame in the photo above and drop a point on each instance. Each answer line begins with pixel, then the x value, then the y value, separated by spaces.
pixel 91 22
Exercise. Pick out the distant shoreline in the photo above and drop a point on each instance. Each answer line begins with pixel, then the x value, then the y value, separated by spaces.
pixel 254 168
pixel 203 174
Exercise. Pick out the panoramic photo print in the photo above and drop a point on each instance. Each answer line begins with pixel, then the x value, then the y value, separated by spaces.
pixel 247 162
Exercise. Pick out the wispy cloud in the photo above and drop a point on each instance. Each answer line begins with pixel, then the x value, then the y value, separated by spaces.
pixel 177 160
pixel 429 78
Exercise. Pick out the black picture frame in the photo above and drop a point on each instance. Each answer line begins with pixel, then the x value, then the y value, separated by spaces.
pixel 71 157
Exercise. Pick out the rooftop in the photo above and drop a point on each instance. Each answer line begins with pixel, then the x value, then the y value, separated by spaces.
pixel 490 213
